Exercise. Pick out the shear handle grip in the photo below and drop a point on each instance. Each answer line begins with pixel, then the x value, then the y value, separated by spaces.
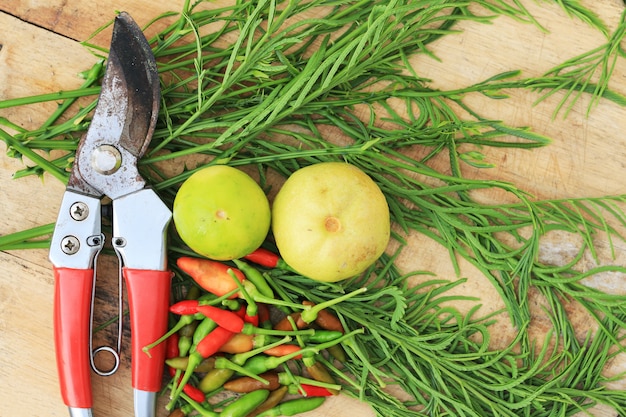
pixel 72 307
pixel 148 301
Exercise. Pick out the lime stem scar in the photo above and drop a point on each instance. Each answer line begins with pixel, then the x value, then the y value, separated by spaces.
pixel 332 224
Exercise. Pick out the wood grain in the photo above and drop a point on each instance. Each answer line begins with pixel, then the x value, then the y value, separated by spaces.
pixel 40 53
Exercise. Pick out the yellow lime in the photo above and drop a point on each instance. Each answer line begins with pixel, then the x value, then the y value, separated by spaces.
pixel 330 221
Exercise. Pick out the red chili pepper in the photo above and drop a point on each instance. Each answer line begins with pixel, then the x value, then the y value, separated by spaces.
pixel 172 350
pixel 241 312
pixel 185 307
pixel 226 319
pixel 212 343
pixel 264 258
pixel 314 391
pixel 211 275
pixel 253 320
pixel 194 393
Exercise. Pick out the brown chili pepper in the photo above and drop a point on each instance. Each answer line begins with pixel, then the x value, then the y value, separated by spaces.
pixel 337 352
pixel 283 350
pixel 285 323
pixel 264 315
pixel 325 319
pixel 189 329
pixel 319 373
pixel 177 413
pixel 247 384
pixel 272 401
pixel 238 344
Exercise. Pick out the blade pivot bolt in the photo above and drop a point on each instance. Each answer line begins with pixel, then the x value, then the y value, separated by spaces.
pixel 106 159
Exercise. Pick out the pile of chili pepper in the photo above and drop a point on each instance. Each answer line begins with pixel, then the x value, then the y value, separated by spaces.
pixel 232 335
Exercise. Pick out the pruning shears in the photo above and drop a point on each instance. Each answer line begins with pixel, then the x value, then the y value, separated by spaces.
pixel 106 166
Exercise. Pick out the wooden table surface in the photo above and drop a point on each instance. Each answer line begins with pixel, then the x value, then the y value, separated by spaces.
pixel 40 53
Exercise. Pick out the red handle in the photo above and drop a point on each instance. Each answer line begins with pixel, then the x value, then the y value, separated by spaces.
pixel 148 301
pixel 72 304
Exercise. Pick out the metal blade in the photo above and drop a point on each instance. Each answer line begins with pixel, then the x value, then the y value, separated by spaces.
pixel 125 117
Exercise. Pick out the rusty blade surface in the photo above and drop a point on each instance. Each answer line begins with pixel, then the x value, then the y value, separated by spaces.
pixel 124 120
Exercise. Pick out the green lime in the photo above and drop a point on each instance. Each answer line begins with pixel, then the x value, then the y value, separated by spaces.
pixel 220 212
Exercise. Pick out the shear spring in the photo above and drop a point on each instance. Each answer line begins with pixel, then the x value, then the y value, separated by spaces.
pixel 113 351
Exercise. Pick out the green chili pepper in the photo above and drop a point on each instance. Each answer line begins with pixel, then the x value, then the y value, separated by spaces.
pixel 225 363
pixel 293 407
pixel 310 314
pixel 182 322
pixel 184 345
pixel 232 305
pixel 201 409
pixel 254 276
pixel 250 329
pixel 260 364
pixel 215 379
pixel 245 404
pixel 297 383
pixel 181 363
pixel 323 336
pixel 205 327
